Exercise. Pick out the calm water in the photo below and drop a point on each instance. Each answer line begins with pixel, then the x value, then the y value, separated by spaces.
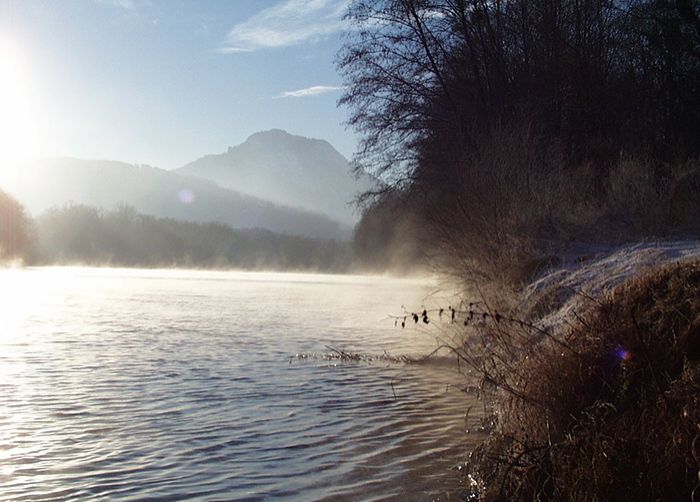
pixel 131 384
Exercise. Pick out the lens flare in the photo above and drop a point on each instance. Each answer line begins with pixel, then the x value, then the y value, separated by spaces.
pixel 623 354
pixel 186 196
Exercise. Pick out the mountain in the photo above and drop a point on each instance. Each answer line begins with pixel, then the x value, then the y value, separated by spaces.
pixel 105 184
pixel 286 169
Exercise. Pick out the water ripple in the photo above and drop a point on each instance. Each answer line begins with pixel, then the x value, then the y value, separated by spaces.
pixel 126 385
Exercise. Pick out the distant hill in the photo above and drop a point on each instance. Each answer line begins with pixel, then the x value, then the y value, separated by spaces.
pixel 58 181
pixel 122 237
pixel 286 169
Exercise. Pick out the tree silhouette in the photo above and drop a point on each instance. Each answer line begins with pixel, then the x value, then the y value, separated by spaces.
pixel 15 229
pixel 514 126
pixel 124 237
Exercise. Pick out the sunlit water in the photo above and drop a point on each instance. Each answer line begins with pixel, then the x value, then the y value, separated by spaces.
pixel 128 384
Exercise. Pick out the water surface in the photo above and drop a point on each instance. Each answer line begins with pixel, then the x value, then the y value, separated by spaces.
pixel 133 384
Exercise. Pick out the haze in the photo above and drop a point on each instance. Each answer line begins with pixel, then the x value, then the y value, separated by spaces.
pixel 508 311
pixel 162 83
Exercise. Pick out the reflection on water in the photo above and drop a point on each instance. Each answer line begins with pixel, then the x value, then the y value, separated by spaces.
pixel 173 384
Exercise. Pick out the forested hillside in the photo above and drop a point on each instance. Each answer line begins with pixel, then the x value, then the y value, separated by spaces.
pixel 84 235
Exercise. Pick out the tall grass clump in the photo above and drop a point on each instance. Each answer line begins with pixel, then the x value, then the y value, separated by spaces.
pixel 607 410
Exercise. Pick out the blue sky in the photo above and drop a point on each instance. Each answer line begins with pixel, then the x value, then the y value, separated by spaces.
pixel 164 82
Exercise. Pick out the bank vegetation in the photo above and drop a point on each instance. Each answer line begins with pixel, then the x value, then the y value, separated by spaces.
pixel 510 136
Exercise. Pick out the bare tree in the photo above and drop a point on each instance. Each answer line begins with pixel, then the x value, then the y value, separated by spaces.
pixel 482 111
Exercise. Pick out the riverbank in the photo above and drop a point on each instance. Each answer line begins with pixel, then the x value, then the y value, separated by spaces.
pixel 597 383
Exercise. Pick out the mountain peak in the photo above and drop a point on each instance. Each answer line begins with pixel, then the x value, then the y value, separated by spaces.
pixel 286 169
pixel 272 134
pixel 279 138
pixel 269 138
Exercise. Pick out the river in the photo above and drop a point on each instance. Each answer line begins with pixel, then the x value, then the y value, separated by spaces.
pixel 168 384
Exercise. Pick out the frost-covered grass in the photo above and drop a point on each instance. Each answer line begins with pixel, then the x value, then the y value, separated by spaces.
pixel 602 401
pixel 589 271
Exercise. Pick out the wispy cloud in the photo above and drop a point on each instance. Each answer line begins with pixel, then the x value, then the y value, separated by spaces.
pixel 314 90
pixel 130 5
pixel 289 22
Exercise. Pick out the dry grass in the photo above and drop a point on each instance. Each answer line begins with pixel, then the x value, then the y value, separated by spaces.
pixel 608 411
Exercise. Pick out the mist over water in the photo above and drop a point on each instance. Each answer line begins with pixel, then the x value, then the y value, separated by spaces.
pixel 170 384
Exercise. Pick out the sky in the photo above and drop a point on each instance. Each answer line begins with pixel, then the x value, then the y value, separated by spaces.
pixel 164 82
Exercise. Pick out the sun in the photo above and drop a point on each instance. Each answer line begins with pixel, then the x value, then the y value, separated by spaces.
pixel 18 118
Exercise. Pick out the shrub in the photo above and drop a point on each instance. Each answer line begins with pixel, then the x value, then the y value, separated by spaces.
pixel 517 205
pixel 610 410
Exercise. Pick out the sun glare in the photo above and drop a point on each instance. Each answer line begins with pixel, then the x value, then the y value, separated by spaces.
pixel 17 108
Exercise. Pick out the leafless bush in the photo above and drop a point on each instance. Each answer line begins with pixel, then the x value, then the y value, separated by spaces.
pixel 510 211
pixel 507 209
pixel 684 198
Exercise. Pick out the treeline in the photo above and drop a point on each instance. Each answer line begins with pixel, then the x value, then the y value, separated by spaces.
pixel 511 128
pixel 123 237
pixel 78 234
